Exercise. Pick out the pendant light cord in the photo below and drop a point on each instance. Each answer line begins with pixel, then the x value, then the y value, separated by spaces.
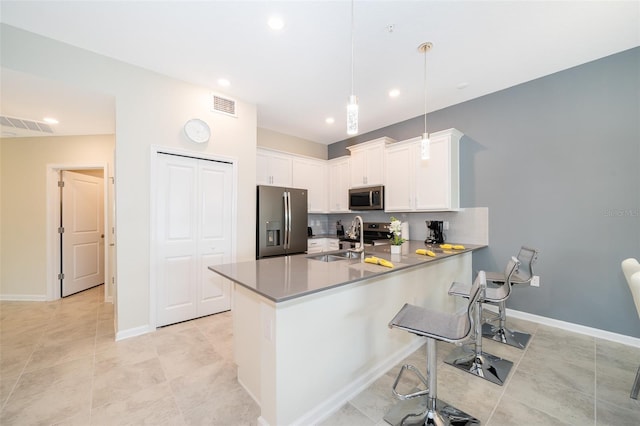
pixel 425 90
pixel 352 32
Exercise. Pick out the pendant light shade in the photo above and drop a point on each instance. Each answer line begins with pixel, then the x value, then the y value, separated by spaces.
pixel 425 144
pixel 352 106
pixel 425 147
pixel 352 115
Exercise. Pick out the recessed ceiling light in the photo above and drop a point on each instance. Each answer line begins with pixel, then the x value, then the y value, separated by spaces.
pixel 463 85
pixel 224 82
pixel 330 120
pixel 50 120
pixel 276 23
pixel 394 93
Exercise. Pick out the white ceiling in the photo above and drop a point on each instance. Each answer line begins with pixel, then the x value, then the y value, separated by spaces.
pixel 301 75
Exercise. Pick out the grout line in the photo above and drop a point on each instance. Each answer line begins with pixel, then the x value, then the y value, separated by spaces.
pixel 513 372
pixel 24 367
pixel 93 367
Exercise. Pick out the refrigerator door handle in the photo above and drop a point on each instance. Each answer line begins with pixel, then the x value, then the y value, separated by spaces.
pixel 287 219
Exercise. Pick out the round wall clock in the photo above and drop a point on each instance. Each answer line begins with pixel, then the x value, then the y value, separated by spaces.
pixel 197 130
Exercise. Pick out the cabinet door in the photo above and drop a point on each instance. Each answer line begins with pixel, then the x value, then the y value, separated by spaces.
pixel 262 169
pixel 339 179
pixel 358 168
pixel 375 165
pixel 312 176
pixel 399 177
pixel 315 245
pixel 332 244
pixel 433 177
pixel 280 170
pixel 273 169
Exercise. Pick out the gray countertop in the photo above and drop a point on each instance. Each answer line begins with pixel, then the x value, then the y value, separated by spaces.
pixel 287 277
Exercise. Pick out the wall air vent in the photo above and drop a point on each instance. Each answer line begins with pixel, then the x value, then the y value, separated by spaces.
pixel 21 123
pixel 224 105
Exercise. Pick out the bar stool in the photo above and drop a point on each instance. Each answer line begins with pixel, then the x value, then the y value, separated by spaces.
pixel 499 332
pixel 477 362
pixel 423 406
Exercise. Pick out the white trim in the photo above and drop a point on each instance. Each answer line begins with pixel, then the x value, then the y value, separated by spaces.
pixel 574 328
pixel 331 405
pixel 23 297
pixel 52 211
pixel 133 332
pixel 153 183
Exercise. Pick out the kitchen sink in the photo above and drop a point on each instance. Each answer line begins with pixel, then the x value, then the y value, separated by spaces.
pixel 332 257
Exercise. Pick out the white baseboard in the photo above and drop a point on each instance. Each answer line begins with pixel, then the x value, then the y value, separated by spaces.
pixel 133 332
pixel 575 328
pixel 23 297
pixel 329 406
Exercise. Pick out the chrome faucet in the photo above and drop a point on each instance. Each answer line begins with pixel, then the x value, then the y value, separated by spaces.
pixel 361 230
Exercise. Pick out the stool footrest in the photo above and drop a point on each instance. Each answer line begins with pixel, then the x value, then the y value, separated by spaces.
pixel 404 396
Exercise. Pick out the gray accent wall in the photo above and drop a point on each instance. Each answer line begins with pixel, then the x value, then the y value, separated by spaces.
pixel 556 160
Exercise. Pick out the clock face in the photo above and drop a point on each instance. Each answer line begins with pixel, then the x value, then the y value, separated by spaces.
pixel 197 130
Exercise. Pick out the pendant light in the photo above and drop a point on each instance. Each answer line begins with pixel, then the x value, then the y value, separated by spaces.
pixel 352 106
pixel 424 142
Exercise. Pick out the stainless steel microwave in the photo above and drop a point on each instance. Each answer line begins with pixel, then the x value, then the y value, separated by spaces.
pixel 370 198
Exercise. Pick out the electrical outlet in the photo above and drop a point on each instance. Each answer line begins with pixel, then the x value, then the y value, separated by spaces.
pixel 535 281
pixel 445 225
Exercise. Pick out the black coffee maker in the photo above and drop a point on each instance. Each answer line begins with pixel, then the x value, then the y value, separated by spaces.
pixel 435 234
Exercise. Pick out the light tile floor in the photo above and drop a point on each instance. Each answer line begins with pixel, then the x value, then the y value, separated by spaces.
pixel 60 365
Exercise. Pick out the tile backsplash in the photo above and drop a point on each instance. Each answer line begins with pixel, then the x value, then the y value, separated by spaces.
pixel 468 225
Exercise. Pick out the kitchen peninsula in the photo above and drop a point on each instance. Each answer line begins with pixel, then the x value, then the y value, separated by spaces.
pixel 311 333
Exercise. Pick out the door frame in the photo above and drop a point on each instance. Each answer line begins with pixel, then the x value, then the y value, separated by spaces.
pixel 153 242
pixel 53 223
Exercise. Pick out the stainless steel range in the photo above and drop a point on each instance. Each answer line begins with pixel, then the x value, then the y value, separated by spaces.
pixel 375 233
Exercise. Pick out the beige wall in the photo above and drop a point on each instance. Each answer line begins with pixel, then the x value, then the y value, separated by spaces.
pixel 151 110
pixel 23 207
pixel 287 143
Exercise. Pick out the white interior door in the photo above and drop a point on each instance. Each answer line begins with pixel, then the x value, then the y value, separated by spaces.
pixel 83 232
pixel 193 232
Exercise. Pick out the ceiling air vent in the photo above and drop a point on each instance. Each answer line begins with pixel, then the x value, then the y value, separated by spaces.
pixel 21 123
pixel 224 105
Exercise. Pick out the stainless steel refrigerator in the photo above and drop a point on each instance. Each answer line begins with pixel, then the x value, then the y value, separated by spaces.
pixel 281 226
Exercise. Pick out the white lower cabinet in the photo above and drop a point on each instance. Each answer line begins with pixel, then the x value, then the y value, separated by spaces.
pixel 315 245
pixel 413 184
pixel 318 245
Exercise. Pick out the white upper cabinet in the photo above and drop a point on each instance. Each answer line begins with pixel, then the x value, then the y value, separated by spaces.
pixel 399 176
pixel 339 182
pixel 273 168
pixel 367 162
pixel 312 175
pixel 413 184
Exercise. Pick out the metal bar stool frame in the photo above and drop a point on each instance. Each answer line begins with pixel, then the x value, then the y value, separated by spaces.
pixel 476 361
pixel 424 407
pixel 499 332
